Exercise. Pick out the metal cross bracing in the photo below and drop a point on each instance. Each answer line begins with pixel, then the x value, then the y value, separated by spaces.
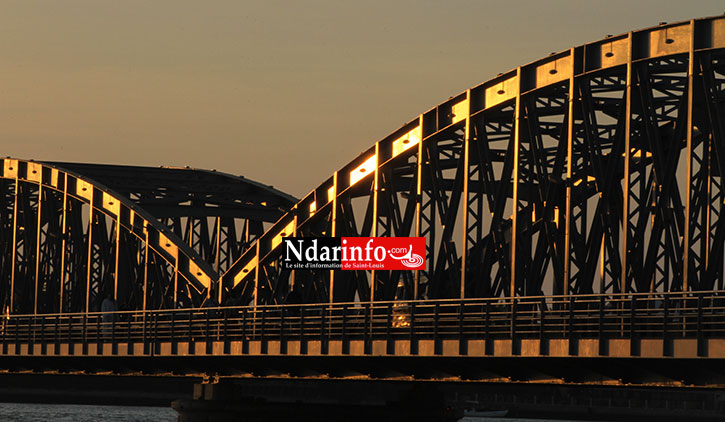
pixel 596 170
pixel 152 238
pixel 217 214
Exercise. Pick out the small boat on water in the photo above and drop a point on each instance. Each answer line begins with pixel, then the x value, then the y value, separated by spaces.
pixel 475 413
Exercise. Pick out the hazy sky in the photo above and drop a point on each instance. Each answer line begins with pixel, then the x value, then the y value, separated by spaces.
pixel 281 92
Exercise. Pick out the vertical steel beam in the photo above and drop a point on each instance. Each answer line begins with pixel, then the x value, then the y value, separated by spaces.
pixel 176 282
pixel 466 175
pixel 218 243
pixel 146 266
pixel 256 276
pixel 602 273
pixel 333 231
pixel 89 268
pixel 64 233
pixel 687 235
pixel 514 215
pixel 627 154
pixel 569 171
pixel 294 233
pixel 419 199
pixel 218 255
pixel 118 248
pixel 15 242
pixel 39 224
pixel 374 228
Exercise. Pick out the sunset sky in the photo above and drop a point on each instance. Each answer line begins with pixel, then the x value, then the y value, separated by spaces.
pixel 281 92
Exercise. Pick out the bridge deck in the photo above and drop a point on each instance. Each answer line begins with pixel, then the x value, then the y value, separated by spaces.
pixel 670 325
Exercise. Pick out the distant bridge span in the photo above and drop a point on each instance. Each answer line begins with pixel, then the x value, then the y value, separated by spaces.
pixel 154 238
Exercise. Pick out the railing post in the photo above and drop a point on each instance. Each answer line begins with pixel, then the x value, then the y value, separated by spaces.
pixel 573 341
pixel 245 340
pixel 603 340
pixel 487 339
pixel 303 339
pixel 263 331
pixel 634 344
pixel 5 325
pixel 129 339
pixel 225 333
pixel 156 349
pixel 368 343
pixel 31 334
pixel 71 345
pixel 462 340
pixel 345 339
pixel 543 339
pixel 282 334
pixel 143 332
pixel 437 344
pixel 56 336
pixel 43 341
pixel 389 343
pixel 413 338
pixel 667 346
pixel 114 345
pixel 172 329
pixel 515 341
pixel 701 339
pixel 85 334
pixel 100 331
pixel 207 330
pixel 323 333
pixel 191 348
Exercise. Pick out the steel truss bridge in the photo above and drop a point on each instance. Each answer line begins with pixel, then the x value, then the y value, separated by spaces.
pixel 571 209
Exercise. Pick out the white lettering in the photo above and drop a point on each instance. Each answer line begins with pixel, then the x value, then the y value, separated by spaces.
pixel 382 253
pixel 295 252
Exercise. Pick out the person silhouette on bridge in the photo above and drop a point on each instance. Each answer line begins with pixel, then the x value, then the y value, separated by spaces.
pixel 108 309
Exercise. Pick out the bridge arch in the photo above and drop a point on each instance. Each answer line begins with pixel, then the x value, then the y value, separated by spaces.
pixel 593 170
pixel 68 239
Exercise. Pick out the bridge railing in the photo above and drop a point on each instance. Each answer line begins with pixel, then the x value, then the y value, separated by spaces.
pixel 697 315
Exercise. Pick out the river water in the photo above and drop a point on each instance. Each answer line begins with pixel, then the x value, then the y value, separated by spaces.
pixel 29 412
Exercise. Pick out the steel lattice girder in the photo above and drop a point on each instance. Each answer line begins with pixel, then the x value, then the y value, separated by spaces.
pixel 597 169
pixel 157 239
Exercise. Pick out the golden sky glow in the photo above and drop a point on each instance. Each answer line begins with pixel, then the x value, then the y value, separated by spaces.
pixel 281 92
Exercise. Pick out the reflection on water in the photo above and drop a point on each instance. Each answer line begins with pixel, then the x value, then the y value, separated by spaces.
pixel 29 412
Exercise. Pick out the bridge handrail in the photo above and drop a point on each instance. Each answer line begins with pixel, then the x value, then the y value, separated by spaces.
pixel 550 299
pixel 658 315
